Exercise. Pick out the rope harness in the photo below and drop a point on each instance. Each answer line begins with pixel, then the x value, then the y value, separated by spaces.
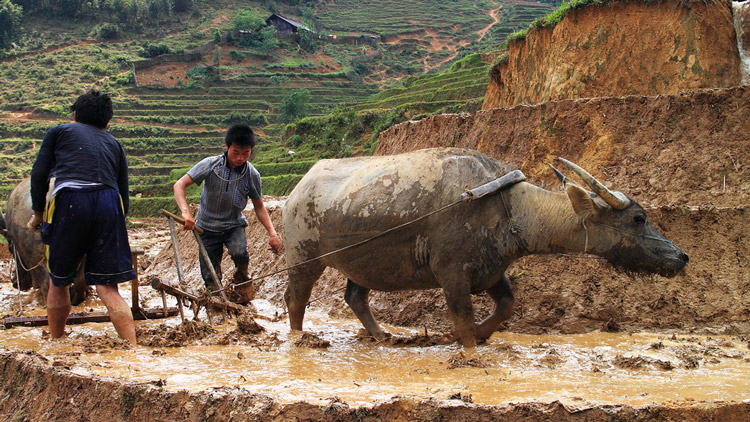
pixel 232 286
pixel 628 232
pixel 18 259
pixel 18 262
pixel 496 185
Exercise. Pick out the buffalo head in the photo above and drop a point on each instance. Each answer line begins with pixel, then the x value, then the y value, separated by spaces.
pixel 617 228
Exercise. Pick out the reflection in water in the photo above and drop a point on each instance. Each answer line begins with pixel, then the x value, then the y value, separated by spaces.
pixel 594 368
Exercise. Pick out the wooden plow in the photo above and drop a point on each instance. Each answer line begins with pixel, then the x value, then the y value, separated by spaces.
pixel 84 317
pixel 197 298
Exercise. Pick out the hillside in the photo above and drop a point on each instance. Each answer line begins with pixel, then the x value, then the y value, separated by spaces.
pixel 683 155
pixel 178 80
pixel 671 47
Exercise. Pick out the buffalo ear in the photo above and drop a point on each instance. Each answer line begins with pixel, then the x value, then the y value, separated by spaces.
pixel 583 203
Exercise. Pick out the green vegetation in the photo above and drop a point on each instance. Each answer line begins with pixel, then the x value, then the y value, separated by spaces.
pixel 354 129
pixel 10 19
pixel 307 94
pixel 294 106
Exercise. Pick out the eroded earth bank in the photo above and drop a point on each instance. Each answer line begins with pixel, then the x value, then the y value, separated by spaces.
pixel 585 341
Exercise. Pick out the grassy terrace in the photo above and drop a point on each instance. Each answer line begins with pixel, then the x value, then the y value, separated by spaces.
pixel 391 17
pixel 167 130
pixel 464 83
pixel 514 16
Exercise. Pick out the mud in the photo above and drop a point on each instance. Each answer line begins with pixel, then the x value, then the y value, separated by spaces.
pixel 585 342
pixel 699 317
pixel 552 359
pixel 673 46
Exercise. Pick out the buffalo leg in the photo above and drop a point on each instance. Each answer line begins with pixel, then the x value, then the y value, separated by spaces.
pixel 356 297
pixel 458 298
pixel 502 294
pixel 78 290
pixel 301 282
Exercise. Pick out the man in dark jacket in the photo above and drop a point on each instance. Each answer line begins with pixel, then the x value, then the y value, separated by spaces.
pixel 86 212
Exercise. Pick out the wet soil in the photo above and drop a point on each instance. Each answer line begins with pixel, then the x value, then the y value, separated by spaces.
pixel 683 156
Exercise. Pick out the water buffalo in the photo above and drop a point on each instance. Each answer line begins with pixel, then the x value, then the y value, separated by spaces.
pixel 26 245
pixel 464 249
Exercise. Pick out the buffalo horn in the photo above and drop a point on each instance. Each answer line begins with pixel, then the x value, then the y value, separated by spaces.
pixel 617 200
pixel 564 180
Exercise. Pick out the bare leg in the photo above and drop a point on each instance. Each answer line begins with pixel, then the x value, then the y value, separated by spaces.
pixel 119 311
pixel 58 309
pixel 502 294
pixel 356 298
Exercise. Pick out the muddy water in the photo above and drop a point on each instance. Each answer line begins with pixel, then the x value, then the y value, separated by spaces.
pixel 579 370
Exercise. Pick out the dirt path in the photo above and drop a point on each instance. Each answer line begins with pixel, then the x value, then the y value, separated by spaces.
pixel 48 50
pixel 495 14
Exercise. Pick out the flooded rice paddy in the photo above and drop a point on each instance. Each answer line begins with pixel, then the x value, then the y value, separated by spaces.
pixel 582 370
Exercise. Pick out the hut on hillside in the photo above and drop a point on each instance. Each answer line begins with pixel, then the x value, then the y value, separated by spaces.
pixel 285 25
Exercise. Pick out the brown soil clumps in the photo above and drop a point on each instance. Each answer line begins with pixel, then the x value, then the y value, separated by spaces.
pixel 312 341
pixel 185 334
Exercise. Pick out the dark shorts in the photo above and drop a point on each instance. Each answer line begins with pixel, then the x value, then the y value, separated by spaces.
pixel 89 222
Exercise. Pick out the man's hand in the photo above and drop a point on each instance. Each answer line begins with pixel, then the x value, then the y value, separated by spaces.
pixel 275 244
pixel 189 221
pixel 35 222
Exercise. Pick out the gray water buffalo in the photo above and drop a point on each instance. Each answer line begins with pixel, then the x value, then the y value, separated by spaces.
pixel 464 249
pixel 26 245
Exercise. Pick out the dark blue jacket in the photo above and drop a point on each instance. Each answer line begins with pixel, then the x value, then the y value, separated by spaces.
pixel 77 151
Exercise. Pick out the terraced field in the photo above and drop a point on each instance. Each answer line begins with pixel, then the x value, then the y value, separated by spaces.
pixel 166 130
pixel 217 104
pixel 517 15
pixel 463 83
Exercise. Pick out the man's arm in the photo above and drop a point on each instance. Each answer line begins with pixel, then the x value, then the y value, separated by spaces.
pixel 181 200
pixel 265 219
pixel 123 183
pixel 40 171
pixel 39 178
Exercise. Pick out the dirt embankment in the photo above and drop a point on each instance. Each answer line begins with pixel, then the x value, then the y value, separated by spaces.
pixel 621 48
pixel 59 394
pixel 684 154
pixel 685 149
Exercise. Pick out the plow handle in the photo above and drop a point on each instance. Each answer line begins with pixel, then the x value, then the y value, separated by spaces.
pixel 179 220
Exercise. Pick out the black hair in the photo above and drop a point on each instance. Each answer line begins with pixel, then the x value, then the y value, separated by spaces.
pixel 240 135
pixel 93 108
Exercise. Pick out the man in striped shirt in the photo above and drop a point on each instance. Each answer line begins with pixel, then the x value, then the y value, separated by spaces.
pixel 229 181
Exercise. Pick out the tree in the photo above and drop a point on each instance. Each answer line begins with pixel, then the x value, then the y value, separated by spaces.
pixel 180 6
pixel 10 19
pixel 265 39
pixel 247 20
pixel 308 41
pixel 294 106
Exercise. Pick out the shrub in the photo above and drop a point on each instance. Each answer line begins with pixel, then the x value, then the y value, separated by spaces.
pixel 149 50
pixel 295 105
pixel 126 79
pixel 106 31
pixel 251 118
pixel 199 72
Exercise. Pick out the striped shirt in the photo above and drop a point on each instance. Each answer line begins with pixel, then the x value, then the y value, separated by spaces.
pixel 225 192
